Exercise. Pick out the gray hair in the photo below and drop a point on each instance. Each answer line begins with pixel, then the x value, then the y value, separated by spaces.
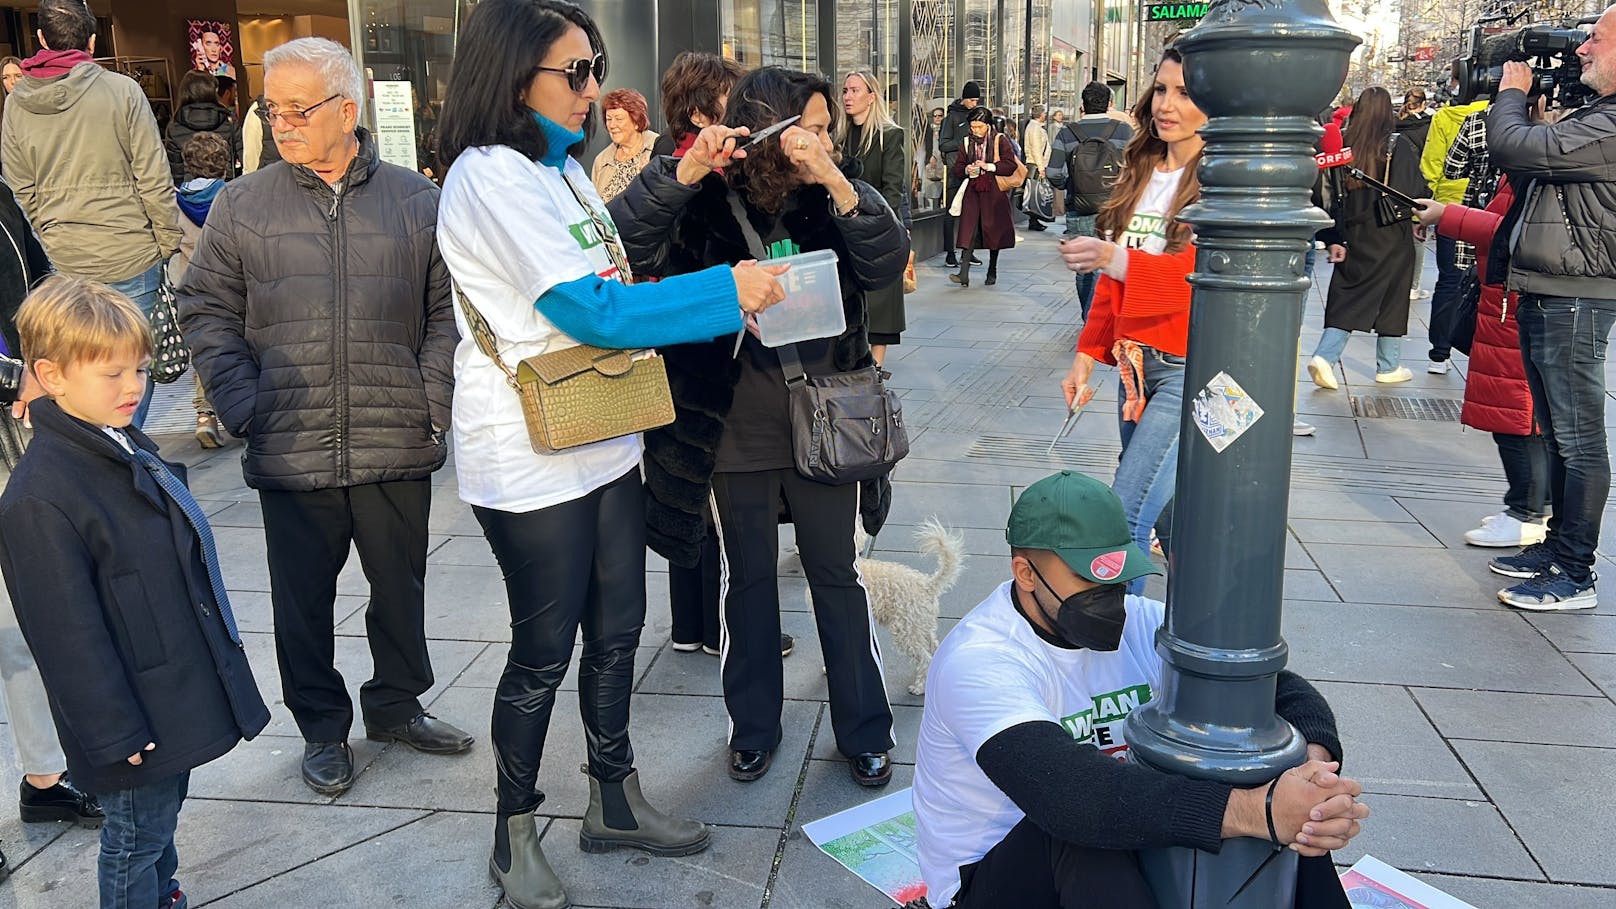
pixel 335 64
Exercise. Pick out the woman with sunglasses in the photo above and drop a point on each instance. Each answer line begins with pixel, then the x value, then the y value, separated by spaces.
pixel 533 252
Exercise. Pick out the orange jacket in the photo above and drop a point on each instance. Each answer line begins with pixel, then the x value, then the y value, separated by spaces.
pixel 1151 307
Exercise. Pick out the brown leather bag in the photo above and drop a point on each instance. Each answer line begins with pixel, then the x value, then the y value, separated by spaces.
pixel 1014 180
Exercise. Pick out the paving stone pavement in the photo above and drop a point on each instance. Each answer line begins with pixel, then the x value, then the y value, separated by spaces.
pixel 1480 733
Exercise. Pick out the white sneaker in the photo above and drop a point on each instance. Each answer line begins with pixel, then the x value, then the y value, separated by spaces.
pixel 1400 374
pixel 1501 531
pixel 1322 372
pixel 1439 367
pixel 1418 294
pixel 1298 428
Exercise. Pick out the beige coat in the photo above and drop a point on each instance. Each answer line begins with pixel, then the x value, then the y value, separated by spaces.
pixel 1036 146
pixel 84 156
pixel 602 172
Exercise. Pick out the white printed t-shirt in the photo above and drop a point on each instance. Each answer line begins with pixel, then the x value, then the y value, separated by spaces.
pixel 993 672
pixel 509 229
pixel 1147 227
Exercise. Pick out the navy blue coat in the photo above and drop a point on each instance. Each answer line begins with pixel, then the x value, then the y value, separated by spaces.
pixel 107 579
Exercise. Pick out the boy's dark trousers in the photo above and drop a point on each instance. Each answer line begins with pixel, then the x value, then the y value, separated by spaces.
pixel 138 860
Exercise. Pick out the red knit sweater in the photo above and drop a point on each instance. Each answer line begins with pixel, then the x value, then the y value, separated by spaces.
pixel 1151 307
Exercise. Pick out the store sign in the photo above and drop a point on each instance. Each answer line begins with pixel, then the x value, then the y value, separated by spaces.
pixel 1174 12
pixel 395 123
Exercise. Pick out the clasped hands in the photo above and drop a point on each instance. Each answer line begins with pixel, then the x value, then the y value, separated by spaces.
pixel 1315 810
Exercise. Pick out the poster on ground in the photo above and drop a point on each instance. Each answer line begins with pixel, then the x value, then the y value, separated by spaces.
pixel 875 841
pixel 1373 884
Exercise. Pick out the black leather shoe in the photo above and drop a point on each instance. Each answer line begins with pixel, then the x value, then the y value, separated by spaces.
pixel 61 802
pixel 328 767
pixel 1035 226
pixel 747 766
pixel 871 769
pixel 992 278
pixel 426 733
pixel 787 644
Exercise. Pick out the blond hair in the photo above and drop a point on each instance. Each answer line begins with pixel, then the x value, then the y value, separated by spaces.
pixel 72 320
pixel 875 125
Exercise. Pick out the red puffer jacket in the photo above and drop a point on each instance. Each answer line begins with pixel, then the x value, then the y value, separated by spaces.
pixel 1496 398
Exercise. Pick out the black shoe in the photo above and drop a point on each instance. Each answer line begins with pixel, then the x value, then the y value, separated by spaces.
pixel 328 767
pixel 873 769
pixel 61 802
pixel 787 644
pixel 952 261
pixel 426 734
pixel 747 766
pixel 1036 225
pixel 975 260
pixel 992 278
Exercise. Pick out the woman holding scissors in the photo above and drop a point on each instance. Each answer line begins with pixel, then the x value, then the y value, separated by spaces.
pixel 1141 313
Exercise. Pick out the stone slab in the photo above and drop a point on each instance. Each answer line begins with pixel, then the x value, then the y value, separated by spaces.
pixel 1411 577
pixel 1332 532
pixel 1547 794
pixel 1530 718
pixel 1391 747
pixel 1417 834
pixel 810 879
pixel 1487 892
pixel 731 872
pixel 1578 632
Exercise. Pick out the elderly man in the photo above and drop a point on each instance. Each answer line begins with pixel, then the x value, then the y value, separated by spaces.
pixel 319 314
pixel 1557 249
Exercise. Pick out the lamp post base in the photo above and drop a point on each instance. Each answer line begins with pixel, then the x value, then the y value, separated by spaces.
pixel 1191 879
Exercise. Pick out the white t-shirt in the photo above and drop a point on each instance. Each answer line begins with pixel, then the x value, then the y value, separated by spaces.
pixel 993 672
pixel 1147 228
pixel 509 229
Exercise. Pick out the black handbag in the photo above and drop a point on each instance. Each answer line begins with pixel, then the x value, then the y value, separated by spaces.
pixel 1464 317
pixel 1389 211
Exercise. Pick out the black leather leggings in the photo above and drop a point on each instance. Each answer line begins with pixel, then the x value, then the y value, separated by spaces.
pixel 577 563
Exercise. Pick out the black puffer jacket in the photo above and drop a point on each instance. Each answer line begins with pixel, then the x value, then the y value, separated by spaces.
pixel 668 228
pixel 1567 244
pixel 322 324
pixel 23 264
pixel 200 118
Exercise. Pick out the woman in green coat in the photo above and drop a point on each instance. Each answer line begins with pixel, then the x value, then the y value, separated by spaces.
pixel 868 133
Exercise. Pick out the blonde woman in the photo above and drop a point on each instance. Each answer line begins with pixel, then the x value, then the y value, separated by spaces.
pixel 869 134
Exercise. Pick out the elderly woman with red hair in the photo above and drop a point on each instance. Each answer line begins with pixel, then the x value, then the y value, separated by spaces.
pixel 628 123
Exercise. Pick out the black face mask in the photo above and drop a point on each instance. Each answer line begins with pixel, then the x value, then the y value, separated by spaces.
pixel 1093 619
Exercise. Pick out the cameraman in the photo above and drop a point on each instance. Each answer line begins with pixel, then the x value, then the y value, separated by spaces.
pixel 1557 249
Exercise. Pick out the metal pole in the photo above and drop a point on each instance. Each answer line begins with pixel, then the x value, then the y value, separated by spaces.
pixel 1261 70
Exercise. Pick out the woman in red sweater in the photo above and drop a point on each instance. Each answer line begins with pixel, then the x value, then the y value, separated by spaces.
pixel 1496 398
pixel 1141 313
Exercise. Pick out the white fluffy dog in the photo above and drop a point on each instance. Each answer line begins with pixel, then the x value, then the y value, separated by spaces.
pixel 906 600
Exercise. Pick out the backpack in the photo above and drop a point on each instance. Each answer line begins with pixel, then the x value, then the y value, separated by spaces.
pixel 1092 168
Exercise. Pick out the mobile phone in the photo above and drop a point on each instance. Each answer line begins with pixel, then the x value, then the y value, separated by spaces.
pixel 1402 197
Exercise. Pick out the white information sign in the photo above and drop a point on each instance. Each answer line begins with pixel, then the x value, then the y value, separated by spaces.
pixel 395 123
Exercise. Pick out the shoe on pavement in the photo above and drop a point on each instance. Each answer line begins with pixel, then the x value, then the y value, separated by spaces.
pixel 1528 563
pixel 176 900
pixel 692 647
pixel 1400 374
pixel 528 880
pixel 207 429
pixel 61 802
pixel 426 734
pixel 747 766
pixel 1418 294
pixel 1322 372
pixel 872 769
pixel 1551 591
pixel 619 815
pixel 1298 428
pixel 1439 367
pixel 1502 531
pixel 328 767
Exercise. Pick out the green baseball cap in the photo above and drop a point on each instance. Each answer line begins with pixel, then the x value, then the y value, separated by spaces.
pixel 1079 519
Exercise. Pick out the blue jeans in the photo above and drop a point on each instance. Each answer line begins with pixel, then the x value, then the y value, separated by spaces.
pixel 1563 343
pixel 1149 468
pixel 1445 298
pixel 142 289
pixel 1387 350
pixel 1083 226
pixel 1526 467
pixel 138 860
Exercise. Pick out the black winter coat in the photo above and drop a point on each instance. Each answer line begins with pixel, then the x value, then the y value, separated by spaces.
pixel 668 228
pixel 23 264
pixel 200 118
pixel 107 579
pixel 322 325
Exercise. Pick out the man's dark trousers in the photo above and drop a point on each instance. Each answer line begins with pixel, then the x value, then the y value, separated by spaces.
pixel 1563 344
pixel 1445 298
pixel 308 535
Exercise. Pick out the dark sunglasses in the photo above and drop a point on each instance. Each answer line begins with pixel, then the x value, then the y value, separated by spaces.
pixel 579 71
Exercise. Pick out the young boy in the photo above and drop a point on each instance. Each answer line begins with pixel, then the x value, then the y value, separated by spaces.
pixel 115 578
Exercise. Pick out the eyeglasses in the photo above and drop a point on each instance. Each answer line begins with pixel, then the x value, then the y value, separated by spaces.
pixel 293 117
pixel 579 71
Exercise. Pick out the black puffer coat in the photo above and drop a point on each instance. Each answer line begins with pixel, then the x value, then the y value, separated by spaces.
pixel 322 324
pixel 200 118
pixel 668 228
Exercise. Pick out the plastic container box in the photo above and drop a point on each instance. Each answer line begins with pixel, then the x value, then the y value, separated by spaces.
pixel 813 304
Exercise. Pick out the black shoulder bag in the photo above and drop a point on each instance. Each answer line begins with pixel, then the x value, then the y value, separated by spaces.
pixel 1389 211
pixel 846 426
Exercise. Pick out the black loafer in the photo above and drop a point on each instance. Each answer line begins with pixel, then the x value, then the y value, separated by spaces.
pixel 61 802
pixel 747 766
pixel 871 769
pixel 328 767
pixel 426 733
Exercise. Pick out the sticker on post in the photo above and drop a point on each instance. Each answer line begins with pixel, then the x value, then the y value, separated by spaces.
pixel 1224 412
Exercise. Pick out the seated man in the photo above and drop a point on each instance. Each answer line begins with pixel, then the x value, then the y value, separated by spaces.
pixel 1020 797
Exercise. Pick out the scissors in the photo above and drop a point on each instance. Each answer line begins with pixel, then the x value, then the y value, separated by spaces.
pixel 1072 413
pixel 759 136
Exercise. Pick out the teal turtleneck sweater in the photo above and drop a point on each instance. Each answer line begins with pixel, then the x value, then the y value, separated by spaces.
pixel 683 309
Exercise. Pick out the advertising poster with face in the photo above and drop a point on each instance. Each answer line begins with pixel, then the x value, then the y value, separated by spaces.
pixel 211 46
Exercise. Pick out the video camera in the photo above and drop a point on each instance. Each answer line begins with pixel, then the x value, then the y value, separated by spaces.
pixel 1550 49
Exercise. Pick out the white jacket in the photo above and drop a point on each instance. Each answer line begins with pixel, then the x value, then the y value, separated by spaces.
pixel 1036 145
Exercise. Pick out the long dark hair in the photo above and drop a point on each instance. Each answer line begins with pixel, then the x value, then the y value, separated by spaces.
pixel 1369 129
pixel 500 49
pixel 198 87
pixel 764 96
pixel 1145 151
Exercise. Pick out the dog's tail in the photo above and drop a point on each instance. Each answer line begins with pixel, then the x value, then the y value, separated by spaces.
pixel 949 548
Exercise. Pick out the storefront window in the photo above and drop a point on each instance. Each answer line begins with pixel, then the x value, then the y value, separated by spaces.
pixel 981 54
pixel 406 50
pixel 934 86
pixel 771 32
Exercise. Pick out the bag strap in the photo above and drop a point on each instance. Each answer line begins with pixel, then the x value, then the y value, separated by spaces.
pixel 753 241
pixel 607 232
pixel 790 363
pixel 791 366
pixel 483 335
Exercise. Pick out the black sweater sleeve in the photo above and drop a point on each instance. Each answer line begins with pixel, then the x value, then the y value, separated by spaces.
pixel 1300 704
pixel 1076 794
